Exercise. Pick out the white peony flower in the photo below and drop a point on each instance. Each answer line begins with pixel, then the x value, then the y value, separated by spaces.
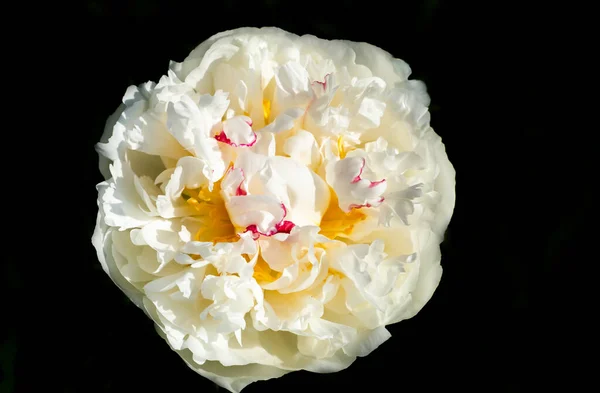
pixel 274 202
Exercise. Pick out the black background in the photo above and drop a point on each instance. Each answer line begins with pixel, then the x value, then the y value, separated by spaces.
pixel 482 330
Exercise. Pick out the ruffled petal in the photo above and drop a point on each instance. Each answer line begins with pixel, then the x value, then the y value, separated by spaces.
pixel 345 177
pixel 303 148
pixel 121 201
pixel 257 213
pixel 237 132
pixel 191 123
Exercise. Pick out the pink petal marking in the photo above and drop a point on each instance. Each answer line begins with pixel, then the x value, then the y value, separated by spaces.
pixel 255 233
pixel 240 191
pixel 281 227
pixel 221 137
pixel 324 83
pixel 355 206
pixel 358 178
pixel 285 227
pixel 375 183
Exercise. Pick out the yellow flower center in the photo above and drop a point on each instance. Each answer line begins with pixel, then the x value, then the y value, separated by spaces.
pixel 338 223
pixel 216 224
pixel 342 149
pixel 266 110
pixel 263 272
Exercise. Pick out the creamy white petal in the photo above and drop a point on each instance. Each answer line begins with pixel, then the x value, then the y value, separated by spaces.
pixel 237 132
pixel 110 142
pixel 292 85
pixel 121 201
pixel 353 191
pixel 150 135
pixel 367 342
pixel 284 121
pixel 102 242
pixel 303 147
pixel 263 212
pixel 191 123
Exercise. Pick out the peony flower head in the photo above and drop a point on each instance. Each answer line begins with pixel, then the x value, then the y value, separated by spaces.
pixel 273 202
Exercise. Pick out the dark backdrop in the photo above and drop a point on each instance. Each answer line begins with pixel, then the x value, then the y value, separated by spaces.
pixel 478 333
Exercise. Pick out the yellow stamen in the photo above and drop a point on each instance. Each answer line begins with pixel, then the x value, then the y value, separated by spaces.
pixel 340 146
pixel 336 222
pixel 333 272
pixel 343 150
pixel 266 109
pixel 216 224
pixel 263 272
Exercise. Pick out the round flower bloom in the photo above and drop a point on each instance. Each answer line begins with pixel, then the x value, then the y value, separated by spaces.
pixel 274 202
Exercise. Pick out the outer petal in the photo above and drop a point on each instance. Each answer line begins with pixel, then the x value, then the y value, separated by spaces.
pixel 150 135
pixel 429 273
pixel 121 200
pixel 102 242
pixel 109 142
pixel 367 342
pixel 380 62
pixel 445 184
pixel 234 378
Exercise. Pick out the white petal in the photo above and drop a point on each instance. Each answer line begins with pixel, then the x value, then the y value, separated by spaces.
pixel 237 132
pixel 293 85
pixel 372 273
pixel 265 144
pixel 148 192
pixel 302 147
pixel 188 173
pixel 121 201
pixel 445 184
pixel 110 142
pixel 232 79
pixel 367 342
pixel 235 378
pixel 262 211
pixel 102 241
pixel 284 121
pixel 429 272
pixel 303 193
pixel 352 190
pixel 150 135
pixel 148 261
pixel 276 253
pixel 370 112
pixel 191 124
pixel 234 183
pixel 162 236
pixel 380 62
